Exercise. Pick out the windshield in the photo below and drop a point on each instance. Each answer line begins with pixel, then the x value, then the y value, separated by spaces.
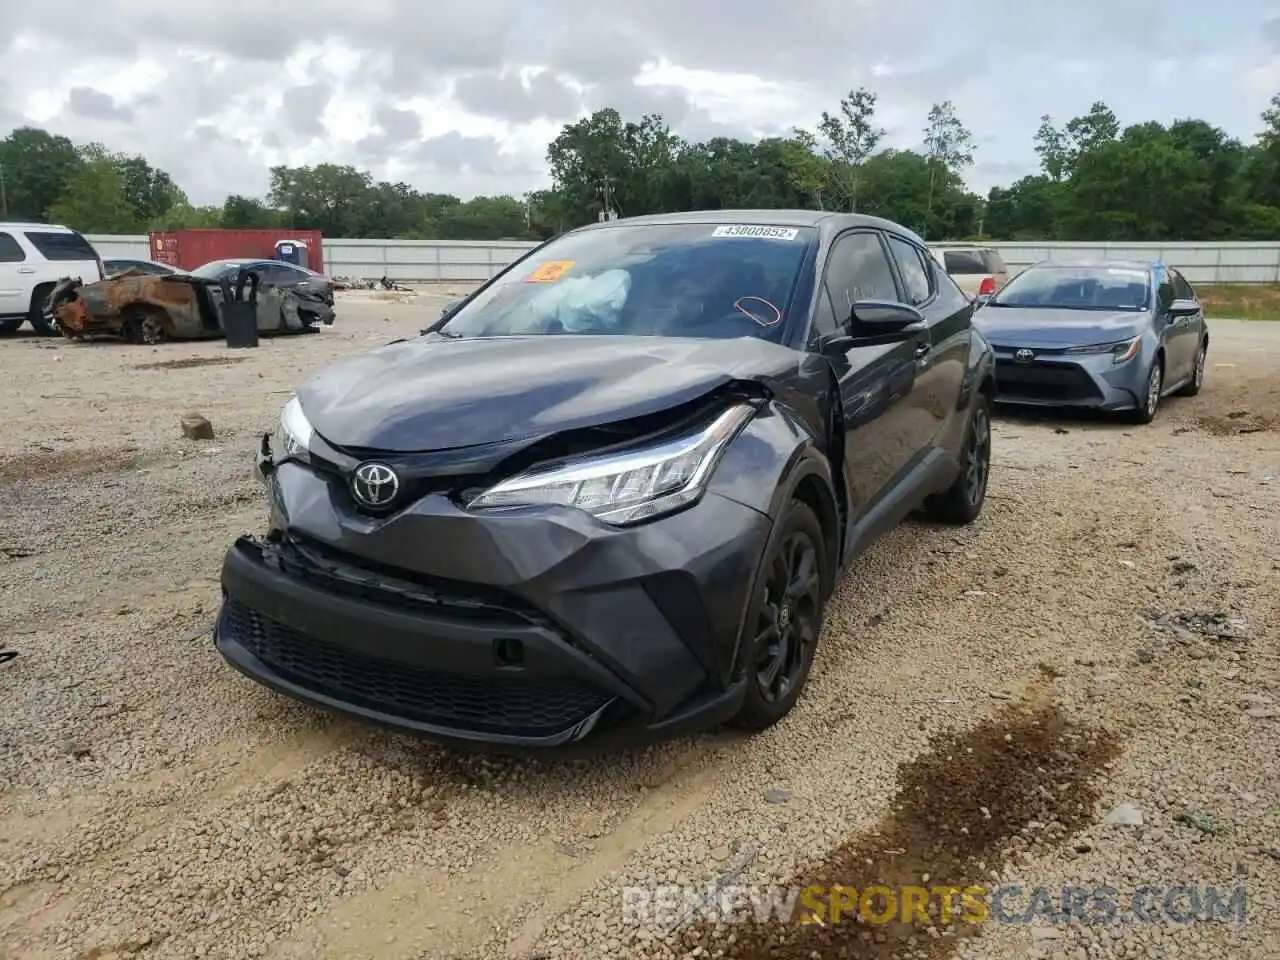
pixel 658 280
pixel 1077 288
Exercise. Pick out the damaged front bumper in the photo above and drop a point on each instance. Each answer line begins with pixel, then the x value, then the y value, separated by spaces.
pixel 541 628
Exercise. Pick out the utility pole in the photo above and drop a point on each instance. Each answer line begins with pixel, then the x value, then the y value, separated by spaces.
pixel 4 197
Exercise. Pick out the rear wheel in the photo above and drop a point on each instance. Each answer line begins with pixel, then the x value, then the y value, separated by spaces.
pixel 780 633
pixel 43 322
pixel 144 324
pixel 962 501
pixel 1197 372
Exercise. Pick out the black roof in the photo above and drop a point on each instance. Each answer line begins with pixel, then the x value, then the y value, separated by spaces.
pixel 826 220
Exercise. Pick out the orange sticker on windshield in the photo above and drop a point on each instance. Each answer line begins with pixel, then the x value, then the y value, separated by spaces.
pixel 549 272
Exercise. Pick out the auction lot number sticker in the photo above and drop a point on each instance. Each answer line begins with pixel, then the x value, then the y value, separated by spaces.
pixel 751 230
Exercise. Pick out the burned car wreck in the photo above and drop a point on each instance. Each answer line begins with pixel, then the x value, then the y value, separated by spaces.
pixel 141 307
pixel 607 497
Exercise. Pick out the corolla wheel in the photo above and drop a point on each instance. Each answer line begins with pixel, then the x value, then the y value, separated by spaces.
pixel 1200 359
pixel 1154 382
pixel 787 629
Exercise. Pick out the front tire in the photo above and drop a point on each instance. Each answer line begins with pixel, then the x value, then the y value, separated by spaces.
pixel 962 502
pixel 784 620
pixel 1153 389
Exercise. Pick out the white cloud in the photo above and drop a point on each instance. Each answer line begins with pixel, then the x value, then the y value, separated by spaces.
pixel 216 93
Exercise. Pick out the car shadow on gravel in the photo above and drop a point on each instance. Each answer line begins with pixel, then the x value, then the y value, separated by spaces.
pixel 1061 416
pixel 1022 778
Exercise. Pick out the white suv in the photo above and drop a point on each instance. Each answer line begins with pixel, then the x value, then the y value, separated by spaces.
pixel 33 258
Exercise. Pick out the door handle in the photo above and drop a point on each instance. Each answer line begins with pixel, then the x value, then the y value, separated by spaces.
pixel 922 349
pixel 26 269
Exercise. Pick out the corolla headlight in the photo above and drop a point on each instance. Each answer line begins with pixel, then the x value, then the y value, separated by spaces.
pixel 627 488
pixel 1120 351
pixel 295 432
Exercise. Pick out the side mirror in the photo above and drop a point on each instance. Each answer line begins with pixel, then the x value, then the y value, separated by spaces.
pixel 873 322
pixel 449 307
pixel 879 318
pixel 1183 308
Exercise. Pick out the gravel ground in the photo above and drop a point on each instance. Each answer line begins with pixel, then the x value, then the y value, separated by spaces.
pixel 1105 635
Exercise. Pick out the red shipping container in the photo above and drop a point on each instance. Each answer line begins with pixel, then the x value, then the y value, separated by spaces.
pixel 188 249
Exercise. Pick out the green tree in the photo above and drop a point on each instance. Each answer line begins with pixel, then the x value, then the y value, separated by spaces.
pixel 36 167
pixel 1052 148
pixel 328 197
pixel 948 147
pixel 486 218
pixel 94 201
pixel 852 136
pixel 603 163
pixel 1259 175
pixel 247 213
pixel 184 216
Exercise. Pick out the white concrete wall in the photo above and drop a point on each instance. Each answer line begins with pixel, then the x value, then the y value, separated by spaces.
pixel 428 260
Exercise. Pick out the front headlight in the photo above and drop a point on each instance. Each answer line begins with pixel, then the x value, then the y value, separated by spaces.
pixel 1120 351
pixel 626 488
pixel 295 432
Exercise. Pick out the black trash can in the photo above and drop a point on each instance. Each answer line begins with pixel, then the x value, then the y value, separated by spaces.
pixel 239 315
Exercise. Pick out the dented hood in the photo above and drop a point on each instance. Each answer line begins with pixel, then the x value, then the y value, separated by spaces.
pixel 436 393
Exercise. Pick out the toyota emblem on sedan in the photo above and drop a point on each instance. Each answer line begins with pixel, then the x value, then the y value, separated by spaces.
pixel 1024 355
pixel 375 484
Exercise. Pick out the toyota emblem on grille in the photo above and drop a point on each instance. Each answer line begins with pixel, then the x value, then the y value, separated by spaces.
pixel 1024 355
pixel 375 484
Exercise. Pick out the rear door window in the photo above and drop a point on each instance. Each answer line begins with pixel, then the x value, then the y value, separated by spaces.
pixel 965 262
pixel 1181 288
pixel 61 246
pixel 911 264
pixel 10 249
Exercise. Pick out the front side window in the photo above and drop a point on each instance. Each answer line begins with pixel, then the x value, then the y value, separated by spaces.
pixel 1052 287
pixel 669 280
pixel 10 250
pixel 1164 292
pixel 858 269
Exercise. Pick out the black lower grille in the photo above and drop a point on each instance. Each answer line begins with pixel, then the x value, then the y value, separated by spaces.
pixel 510 705
pixel 1045 381
pixel 354 577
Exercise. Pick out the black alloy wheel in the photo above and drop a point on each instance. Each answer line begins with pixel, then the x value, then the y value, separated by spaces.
pixel 785 620
pixel 962 502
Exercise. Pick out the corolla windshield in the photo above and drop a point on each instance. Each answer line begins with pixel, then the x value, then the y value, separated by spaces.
pixel 1049 287
pixel 662 280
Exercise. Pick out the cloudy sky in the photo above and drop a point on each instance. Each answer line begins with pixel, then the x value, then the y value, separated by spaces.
pixel 462 97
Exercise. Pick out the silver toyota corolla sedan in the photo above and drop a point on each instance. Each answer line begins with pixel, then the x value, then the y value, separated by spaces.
pixel 1107 334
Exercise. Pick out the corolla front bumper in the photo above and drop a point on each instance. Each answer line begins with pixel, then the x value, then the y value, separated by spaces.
pixel 535 627
pixel 1055 378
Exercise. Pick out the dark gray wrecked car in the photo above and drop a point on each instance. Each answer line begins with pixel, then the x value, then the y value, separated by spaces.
pixel 607 497
pixel 144 308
